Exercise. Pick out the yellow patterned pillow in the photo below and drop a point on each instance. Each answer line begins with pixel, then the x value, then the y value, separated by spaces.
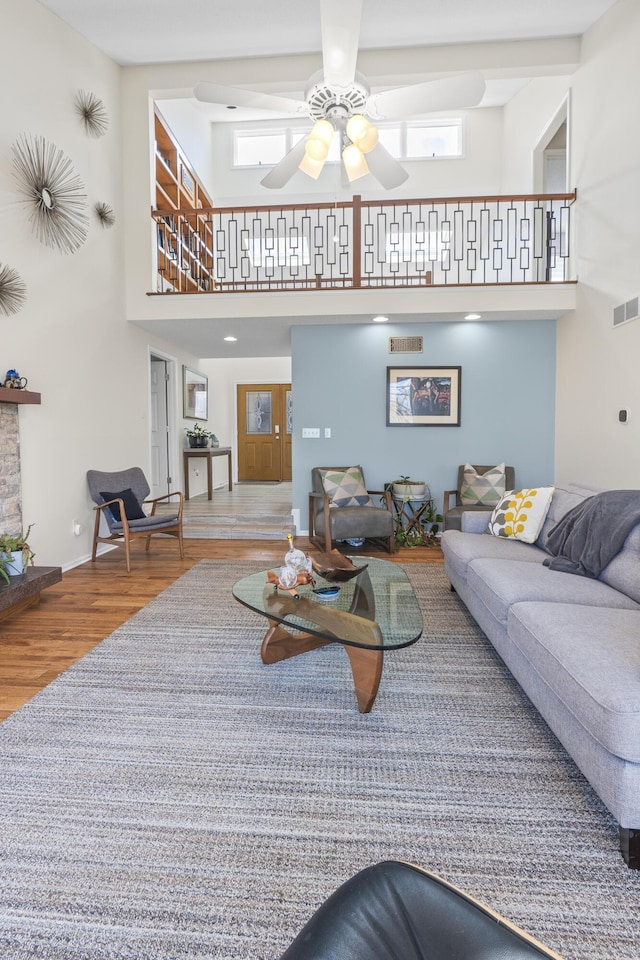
pixel 521 513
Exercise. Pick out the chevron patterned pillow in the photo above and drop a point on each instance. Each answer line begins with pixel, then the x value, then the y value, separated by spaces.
pixel 482 488
pixel 346 488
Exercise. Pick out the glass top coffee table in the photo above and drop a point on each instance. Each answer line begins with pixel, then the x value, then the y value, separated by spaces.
pixel 375 611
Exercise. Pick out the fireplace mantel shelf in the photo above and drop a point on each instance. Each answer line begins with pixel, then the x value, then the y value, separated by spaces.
pixel 18 396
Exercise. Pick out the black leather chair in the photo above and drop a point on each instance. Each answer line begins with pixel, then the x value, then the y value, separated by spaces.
pixel 397 911
pixel 452 514
pixel 328 524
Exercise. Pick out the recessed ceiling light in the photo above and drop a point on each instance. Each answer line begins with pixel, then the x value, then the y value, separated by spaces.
pixel 473 316
pixel 380 319
pixel 231 339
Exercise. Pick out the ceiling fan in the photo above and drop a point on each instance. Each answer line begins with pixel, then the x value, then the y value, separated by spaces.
pixel 338 98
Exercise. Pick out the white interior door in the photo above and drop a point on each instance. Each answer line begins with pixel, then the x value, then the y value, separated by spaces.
pixel 160 479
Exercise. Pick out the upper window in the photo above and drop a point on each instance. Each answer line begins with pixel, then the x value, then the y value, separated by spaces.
pixel 420 140
pixel 253 148
pixel 443 139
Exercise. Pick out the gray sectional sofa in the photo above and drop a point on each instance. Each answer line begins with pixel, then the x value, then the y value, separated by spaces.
pixel 571 642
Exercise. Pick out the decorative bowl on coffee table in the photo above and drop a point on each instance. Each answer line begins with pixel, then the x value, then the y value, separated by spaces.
pixel 334 566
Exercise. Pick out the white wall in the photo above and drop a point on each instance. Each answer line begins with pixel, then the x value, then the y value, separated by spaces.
pixel 71 339
pixel 597 365
pixel 526 118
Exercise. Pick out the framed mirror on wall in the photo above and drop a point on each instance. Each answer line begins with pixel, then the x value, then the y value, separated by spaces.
pixel 195 395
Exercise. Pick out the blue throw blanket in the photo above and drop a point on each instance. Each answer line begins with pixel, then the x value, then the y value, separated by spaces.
pixel 589 536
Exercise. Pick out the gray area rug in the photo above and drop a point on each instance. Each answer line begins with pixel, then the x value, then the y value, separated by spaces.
pixel 171 797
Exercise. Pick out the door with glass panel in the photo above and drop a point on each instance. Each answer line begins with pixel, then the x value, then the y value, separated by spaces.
pixel 264 431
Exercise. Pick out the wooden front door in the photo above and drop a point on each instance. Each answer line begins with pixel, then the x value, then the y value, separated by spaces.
pixel 264 431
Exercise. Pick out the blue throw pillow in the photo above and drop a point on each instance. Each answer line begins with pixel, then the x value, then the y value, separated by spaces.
pixel 132 509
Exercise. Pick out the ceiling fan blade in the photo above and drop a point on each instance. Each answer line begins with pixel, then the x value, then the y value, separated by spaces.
pixel 237 97
pixel 340 24
pixel 465 90
pixel 385 168
pixel 283 171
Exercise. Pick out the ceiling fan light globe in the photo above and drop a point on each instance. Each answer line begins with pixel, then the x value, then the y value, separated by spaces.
pixel 312 168
pixel 354 162
pixel 369 139
pixel 316 149
pixel 357 127
pixel 323 130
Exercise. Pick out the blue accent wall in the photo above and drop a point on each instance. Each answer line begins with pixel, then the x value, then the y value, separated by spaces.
pixel 507 408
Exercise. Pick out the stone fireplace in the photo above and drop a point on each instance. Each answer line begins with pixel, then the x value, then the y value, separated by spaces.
pixel 10 485
pixel 24 590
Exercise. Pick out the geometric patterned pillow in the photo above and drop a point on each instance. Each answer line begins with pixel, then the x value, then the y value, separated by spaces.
pixel 521 513
pixel 482 488
pixel 346 488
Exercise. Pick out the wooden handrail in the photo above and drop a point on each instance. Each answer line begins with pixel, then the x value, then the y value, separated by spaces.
pixel 350 204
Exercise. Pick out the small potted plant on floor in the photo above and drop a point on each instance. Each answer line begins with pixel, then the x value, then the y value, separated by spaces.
pixel 197 436
pixel 15 553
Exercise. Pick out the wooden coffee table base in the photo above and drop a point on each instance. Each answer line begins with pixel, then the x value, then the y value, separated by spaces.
pixel 366 664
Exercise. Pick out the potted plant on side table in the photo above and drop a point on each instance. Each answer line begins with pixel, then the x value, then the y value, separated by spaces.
pixel 416 518
pixel 15 554
pixel 197 436
pixel 406 489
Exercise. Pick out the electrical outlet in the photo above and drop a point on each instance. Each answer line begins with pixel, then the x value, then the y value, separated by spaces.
pixel 77 528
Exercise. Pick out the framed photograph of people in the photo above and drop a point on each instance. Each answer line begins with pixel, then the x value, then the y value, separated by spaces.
pixel 423 396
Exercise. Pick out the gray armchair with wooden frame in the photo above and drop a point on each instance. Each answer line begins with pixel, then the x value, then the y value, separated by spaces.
pixel 120 518
pixel 454 506
pixel 343 509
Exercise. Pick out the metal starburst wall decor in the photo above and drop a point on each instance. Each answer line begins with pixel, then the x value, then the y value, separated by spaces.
pixel 54 192
pixel 92 113
pixel 13 291
pixel 104 213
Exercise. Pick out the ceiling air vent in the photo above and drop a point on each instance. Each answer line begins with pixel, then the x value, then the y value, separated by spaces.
pixel 405 344
pixel 625 312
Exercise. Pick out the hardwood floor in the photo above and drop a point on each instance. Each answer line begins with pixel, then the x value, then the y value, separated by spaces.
pixel 94 599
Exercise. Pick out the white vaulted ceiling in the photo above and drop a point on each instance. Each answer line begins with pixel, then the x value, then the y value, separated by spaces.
pixel 165 31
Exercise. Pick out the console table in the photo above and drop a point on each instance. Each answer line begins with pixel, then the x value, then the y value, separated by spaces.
pixel 208 453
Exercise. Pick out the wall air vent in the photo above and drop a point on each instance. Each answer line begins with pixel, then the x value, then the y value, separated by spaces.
pixel 626 312
pixel 405 344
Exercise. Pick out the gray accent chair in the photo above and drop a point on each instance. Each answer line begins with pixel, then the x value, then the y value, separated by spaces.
pixel 122 532
pixel 328 524
pixel 452 515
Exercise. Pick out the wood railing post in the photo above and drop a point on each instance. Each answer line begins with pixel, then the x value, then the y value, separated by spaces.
pixel 357 241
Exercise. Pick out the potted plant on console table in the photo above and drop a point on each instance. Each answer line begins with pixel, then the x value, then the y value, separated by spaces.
pixel 197 436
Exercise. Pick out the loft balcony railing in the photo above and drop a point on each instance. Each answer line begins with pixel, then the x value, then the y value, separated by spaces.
pixel 358 244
